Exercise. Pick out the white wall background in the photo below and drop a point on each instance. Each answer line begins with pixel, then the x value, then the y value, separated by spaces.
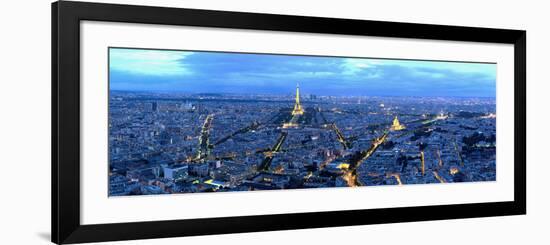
pixel 25 121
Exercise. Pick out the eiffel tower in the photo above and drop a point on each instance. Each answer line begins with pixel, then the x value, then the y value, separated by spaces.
pixel 298 110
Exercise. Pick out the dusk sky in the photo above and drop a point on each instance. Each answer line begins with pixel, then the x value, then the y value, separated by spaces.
pixel 218 72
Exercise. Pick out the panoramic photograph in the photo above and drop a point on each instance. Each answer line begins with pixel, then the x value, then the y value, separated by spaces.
pixel 204 121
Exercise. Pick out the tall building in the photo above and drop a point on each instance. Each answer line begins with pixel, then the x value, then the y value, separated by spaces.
pixel 176 171
pixel 298 110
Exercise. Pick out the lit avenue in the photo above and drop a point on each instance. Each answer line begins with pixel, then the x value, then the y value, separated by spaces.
pixel 188 122
pixel 164 143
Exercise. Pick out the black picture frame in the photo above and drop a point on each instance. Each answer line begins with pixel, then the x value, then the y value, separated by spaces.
pixel 66 18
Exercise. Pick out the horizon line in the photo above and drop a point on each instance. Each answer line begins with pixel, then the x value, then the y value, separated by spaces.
pixel 291 94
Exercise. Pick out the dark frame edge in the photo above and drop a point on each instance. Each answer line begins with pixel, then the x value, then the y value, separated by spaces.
pixel 54 147
pixel 65 185
pixel 520 120
pixel 293 221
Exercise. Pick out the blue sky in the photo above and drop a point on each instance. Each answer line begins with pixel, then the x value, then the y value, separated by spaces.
pixel 219 72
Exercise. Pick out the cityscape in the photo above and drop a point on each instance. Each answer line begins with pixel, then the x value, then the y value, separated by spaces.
pixel 323 131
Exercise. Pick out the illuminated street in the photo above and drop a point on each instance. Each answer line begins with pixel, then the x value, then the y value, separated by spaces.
pixel 263 143
pixel 201 121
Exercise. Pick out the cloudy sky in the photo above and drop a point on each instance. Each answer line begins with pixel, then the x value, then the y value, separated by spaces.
pixel 218 72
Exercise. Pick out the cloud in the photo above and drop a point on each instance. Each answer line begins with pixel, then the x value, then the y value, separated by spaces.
pixel 457 67
pixel 352 66
pixel 149 62
pixel 262 73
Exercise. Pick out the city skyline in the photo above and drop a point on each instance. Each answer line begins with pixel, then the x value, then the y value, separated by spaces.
pixel 192 72
pixel 230 133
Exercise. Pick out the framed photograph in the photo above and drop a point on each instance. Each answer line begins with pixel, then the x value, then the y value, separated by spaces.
pixel 176 122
